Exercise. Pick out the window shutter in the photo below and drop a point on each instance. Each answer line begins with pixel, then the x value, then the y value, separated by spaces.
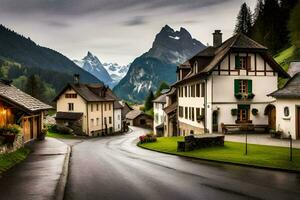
pixel 249 86
pixel 249 62
pixel 236 86
pixel 237 62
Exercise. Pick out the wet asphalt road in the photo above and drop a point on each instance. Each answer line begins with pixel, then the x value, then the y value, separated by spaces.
pixel 114 168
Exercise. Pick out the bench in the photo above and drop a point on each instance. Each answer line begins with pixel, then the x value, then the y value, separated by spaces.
pixel 243 127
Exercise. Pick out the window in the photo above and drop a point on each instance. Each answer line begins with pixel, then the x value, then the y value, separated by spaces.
pixel 185 91
pixel 92 122
pixel 190 113
pixel 109 106
pixel 180 111
pixel 70 96
pixel 243 87
pixel 119 117
pixel 105 122
pixel 97 121
pixel 109 119
pixel 243 62
pixel 193 114
pixel 202 89
pixel 104 106
pixel 92 108
pixel 97 107
pixel 243 113
pixel 186 112
pixel 198 90
pixel 197 113
pixel 71 106
pixel 286 111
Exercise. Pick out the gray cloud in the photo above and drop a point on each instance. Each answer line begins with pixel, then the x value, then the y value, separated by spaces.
pixel 135 21
pixel 76 7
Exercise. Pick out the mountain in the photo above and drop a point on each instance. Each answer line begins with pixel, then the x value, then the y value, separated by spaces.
pixel 159 64
pixel 92 64
pixel 26 52
pixel 116 72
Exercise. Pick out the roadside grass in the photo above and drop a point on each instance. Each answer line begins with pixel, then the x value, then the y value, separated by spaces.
pixel 62 136
pixel 9 160
pixel 233 152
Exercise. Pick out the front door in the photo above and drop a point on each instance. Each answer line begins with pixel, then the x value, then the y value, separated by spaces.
pixel 272 118
pixel 215 121
pixel 298 123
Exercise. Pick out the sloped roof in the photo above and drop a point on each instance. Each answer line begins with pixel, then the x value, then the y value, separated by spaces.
pixel 117 105
pixel 171 108
pixel 290 90
pixel 212 56
pixel 68 115
pixel 134 114
pixel 21 99
pixel 160 99
pixel 91 92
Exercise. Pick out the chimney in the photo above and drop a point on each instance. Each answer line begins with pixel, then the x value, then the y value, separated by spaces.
pixel 76 79
pixel 217 38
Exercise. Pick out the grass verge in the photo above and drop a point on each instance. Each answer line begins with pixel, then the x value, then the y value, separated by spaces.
pixel 233 152
pixel 62 136
pixel 9 160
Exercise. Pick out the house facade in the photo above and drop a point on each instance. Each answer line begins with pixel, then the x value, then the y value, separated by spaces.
pixel 17 107
pixel 139 118
pixel 159 114
pixel 88 107
pixel 170 123
pixel 288 108
pixel 227 83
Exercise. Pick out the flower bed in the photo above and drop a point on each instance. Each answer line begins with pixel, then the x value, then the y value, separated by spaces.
pixel 147 138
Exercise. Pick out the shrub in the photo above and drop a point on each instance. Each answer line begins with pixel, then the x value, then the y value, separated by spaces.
pixel 147 138
pixel 254 111
pixel 10 129
pixel 60 129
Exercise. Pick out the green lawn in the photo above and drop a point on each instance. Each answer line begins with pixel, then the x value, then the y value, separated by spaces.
pixel 9 160
pixel 62 136
pixel 232 152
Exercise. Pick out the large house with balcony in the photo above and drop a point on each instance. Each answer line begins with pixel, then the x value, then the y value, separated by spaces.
pixel 227 83
pixel 92 109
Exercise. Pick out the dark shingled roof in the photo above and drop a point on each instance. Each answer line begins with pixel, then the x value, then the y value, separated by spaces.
pixel 210 57
pixel 290 90
pixel 20 99
pixel 134 114
pixel 68 115
pixel 91 92
pixel 171 108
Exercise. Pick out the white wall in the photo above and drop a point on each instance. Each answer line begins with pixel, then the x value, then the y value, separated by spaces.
pixel 117 120
pixel 287 124
pixel 159 115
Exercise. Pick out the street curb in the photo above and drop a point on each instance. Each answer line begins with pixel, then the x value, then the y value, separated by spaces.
pixel 61 186
pixel 222 162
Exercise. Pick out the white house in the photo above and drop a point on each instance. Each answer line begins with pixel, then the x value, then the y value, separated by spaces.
pixel 89 108
pixel 159 114
pixel 117 116
pixel 288 107
pixel 227 83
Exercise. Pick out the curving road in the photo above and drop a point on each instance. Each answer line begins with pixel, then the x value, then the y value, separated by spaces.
pixel 115 168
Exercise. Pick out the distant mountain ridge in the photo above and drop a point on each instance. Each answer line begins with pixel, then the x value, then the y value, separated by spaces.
pixel 109 73
pixel 158 64
pixel 28 53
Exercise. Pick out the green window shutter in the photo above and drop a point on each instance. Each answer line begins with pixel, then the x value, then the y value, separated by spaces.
pixel 236 86
pixel 249 86
pixel 237 62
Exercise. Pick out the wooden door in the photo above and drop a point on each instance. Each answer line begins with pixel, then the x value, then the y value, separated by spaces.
pixel 298 123
pixel 272 118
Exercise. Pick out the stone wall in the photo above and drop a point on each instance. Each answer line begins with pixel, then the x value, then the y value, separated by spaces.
pixel 17 144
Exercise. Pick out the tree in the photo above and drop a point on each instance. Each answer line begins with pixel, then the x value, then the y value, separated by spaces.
pixel 162 87
pixel 148 102
pixel 244 20
pixel 36 87
pixel 294 27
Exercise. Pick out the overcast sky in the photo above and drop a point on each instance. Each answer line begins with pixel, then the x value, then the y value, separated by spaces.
pixel 115 30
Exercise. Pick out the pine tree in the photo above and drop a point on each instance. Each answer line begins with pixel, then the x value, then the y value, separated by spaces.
pixel 162 86
pixel 35 87
pixel 244 20
pixel 148 102
pixel 294 27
